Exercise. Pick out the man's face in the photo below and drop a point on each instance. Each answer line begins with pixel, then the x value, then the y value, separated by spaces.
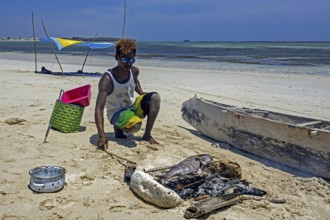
pixel 126 61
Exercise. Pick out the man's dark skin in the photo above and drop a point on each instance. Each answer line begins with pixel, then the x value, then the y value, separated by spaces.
pixel 121 73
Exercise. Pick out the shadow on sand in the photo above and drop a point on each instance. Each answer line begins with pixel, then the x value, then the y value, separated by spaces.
pixel 129 142
pixel 78 73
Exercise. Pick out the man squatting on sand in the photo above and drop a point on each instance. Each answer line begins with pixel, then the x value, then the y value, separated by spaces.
pixel 116 93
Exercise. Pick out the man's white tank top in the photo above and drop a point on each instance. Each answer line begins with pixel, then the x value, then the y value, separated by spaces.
pixel 122 95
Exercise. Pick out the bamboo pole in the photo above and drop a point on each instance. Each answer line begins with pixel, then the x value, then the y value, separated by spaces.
pixel 122 34
pixel 58 61
pixel 35 46
pixel 89 49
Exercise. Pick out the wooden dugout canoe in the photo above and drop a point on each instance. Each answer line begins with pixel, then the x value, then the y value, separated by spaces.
pixel 298 142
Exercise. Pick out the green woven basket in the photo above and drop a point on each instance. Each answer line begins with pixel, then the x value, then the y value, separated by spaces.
pixel 66 117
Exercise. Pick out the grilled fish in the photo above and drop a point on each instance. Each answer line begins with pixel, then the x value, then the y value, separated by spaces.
pixel 192 164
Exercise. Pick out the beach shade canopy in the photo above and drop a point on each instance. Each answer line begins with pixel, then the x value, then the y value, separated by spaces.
pixel 63 43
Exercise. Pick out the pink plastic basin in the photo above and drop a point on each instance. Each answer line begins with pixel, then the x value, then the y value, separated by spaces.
pixel 79 96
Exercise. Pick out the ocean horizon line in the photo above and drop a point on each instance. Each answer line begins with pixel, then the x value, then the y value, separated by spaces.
pixel 105 38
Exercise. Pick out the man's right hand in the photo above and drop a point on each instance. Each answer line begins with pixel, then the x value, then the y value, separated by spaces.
pixel 102 143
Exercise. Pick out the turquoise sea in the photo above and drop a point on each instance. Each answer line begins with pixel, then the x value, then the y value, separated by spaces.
pixel 263 53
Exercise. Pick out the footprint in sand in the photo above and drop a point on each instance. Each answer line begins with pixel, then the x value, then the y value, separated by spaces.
pixel 88 202
pixel 87 180
pixel 47 205
pixel 89 123
pixel 117 208
pixel 36 103
pixel 28 137
pixel 15 121
pixel 176 136
pixel 9 160
pixel 59 201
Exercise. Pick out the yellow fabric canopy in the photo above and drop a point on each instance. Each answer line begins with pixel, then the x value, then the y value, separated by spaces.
pixel 65 42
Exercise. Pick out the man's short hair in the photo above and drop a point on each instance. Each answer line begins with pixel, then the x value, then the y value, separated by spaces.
pixel 125 46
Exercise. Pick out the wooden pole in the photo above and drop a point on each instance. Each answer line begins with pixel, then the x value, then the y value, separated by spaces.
pixel 89 49
pixel 58 61
pixel 35 46
pixel 122 34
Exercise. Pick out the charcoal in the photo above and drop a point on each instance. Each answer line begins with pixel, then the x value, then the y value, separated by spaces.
pixel 192 186
pixel 129 170
pixel 243 189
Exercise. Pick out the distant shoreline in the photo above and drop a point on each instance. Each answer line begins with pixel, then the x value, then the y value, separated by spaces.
pixel 184 41
pixel 17 39
pixel 72 38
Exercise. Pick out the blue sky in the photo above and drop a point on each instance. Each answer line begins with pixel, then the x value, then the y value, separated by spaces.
pixel 168 20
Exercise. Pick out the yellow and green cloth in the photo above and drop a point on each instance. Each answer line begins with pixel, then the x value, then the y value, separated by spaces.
pixel 132 116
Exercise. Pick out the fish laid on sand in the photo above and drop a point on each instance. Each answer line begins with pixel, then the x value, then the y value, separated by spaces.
pixel 192 164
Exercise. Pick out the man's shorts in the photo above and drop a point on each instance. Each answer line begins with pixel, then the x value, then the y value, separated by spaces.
pixel 128 117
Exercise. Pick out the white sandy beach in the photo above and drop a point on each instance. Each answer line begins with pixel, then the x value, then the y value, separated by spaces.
pixel 95 188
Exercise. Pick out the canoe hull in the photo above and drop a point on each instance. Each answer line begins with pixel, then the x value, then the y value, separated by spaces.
pixel 281 138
